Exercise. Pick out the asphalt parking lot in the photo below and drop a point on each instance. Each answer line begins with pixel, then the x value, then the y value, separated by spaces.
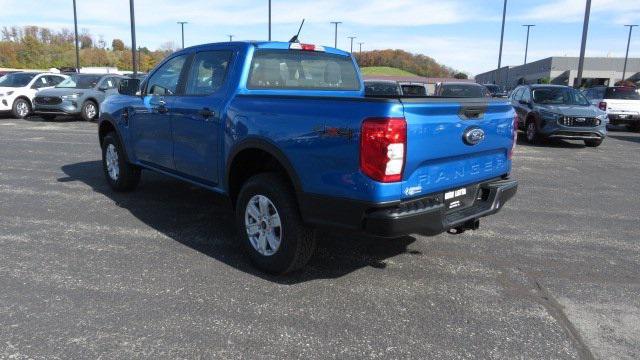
pixel 88 273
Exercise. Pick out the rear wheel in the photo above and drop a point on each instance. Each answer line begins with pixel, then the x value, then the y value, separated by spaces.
pixel 89 110
pixel 634 127
pixel 21 108
pixel 270 226
pixel 121 175
pixel 593 143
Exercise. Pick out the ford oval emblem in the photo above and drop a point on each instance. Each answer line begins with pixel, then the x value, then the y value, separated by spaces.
pixel 473 136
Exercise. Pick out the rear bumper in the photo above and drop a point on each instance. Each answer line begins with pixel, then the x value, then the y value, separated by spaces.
pixel 425 215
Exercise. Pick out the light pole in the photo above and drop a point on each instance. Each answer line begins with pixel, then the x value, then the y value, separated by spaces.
pixel 526 48
pixel 75 25
pixel 182 27
pixel 230 38
pixel 504 15
pixel 269 20
pixel 360 43
pixel 626 57
pixel 351 37
pixel 335 42
pixel 585 30
pixel 133 38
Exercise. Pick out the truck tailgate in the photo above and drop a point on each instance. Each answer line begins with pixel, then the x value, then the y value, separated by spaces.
pixel 437 156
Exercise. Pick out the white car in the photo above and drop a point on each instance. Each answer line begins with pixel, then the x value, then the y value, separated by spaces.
pixel 621 103
pixel 17 90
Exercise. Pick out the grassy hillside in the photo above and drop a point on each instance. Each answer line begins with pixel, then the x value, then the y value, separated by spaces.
pixel 385 71
pixel 398 59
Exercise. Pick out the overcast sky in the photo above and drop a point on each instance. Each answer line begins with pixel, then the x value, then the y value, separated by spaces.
pixel 463 34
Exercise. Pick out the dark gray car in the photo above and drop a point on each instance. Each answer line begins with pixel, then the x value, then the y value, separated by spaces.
pixel 80 94
pixel 554 111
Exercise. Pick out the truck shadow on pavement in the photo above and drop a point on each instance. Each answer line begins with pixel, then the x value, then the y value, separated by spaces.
pixel 196 218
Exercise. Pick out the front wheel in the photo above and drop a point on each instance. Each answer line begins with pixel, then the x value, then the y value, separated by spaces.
pixel 120 175
pixel 593 143
pixel 634 127
pixel 270 226
pixel 89 110
pixel 531 133
pixel 21 108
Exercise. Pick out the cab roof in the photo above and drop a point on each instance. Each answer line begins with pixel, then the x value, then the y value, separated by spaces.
pixel 275 45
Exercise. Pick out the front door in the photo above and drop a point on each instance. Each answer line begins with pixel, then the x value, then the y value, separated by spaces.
pixel 150 119
pixel 196 116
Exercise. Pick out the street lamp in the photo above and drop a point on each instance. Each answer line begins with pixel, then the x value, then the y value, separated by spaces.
pixel 182 26
pixel 351 37
pixel 504 14
pixel 626 57
pixel 75 25
pixel 335 42
pixel 526 48
pixel 230 38
pixel 133 38
pixel 360 43
pixel 585 29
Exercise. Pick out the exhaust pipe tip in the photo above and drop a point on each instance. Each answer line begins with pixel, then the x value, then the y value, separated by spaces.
pixel 469 225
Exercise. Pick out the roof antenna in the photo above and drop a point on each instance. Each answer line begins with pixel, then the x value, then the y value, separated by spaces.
pixel 294 39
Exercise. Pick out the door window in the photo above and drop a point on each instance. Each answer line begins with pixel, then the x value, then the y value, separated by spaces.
pixel 165 80
pixel 41 82
pixel 208 72
pixel 526 95
pixel 54 80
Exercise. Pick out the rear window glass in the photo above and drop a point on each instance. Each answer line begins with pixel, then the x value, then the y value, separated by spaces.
pixel 622 93
pixel 303 70
pixel 462 91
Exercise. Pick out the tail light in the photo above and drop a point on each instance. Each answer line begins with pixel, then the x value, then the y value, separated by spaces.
pixel 602 105
pixel 515 135
pixel 383 147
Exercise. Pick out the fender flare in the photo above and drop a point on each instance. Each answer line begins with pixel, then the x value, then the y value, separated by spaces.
pixel 268 147
pixel 113 124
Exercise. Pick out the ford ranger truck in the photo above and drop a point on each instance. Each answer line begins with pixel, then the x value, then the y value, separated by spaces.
pixel 286 134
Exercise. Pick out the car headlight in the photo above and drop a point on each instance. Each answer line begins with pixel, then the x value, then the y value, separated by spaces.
pixel 547 115
pixel 74 96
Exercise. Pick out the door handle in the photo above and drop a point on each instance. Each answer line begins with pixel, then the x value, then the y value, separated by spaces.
pixel 206 113
pixel 161 108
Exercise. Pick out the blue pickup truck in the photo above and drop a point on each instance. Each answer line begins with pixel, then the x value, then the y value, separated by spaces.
pixel 285 133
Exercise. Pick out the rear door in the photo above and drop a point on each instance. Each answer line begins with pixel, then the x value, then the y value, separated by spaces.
pixel 150 120
pixel 438 155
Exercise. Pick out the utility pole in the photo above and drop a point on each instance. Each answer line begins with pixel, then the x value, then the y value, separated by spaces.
pixel 75 25
pixel 626 57
pixel 585 30
pixel 360 43
pixel 335 42
pixel 526 48
pixel 504 15
pixel 351 37
pixel 269 20
pixel 182 26
pixel 134 60
pixel 230 38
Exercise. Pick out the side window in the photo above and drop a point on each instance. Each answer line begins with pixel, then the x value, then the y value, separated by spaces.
pixel 54 80
pixel 599 93
pixel 208 72
pixel 526 95
pixel 41 82
pixel 109 83
pixel 517 94
pixel 589 94
pixel 165 80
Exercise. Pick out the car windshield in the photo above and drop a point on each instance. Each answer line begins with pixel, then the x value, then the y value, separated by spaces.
pixel 381 88
pixel 16 79
pixel 462 90
pixel 559 96
pixel 622 93
pixel 79 81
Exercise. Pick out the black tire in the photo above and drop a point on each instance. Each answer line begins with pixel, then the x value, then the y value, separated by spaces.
pixel 128 175
pixel 634 127
pixel 18 109
pixel 531 133
pixel 593 143
pixel 297 242
pixel 89 110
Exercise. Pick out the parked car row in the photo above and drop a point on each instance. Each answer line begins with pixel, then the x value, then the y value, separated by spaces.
pixel 51 94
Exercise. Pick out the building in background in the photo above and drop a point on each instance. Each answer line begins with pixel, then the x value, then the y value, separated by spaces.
pixel 563 71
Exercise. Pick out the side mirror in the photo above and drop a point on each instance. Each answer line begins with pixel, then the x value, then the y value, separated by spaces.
pixel 129 86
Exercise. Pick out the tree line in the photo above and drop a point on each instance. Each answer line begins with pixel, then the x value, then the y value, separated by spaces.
pixel 414 63
pixel 34 47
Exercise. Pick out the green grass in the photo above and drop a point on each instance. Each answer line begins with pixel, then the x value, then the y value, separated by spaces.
pixel 385 70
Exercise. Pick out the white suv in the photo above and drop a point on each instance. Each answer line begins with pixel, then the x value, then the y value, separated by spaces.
pixel 621 103
pixel 17 90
